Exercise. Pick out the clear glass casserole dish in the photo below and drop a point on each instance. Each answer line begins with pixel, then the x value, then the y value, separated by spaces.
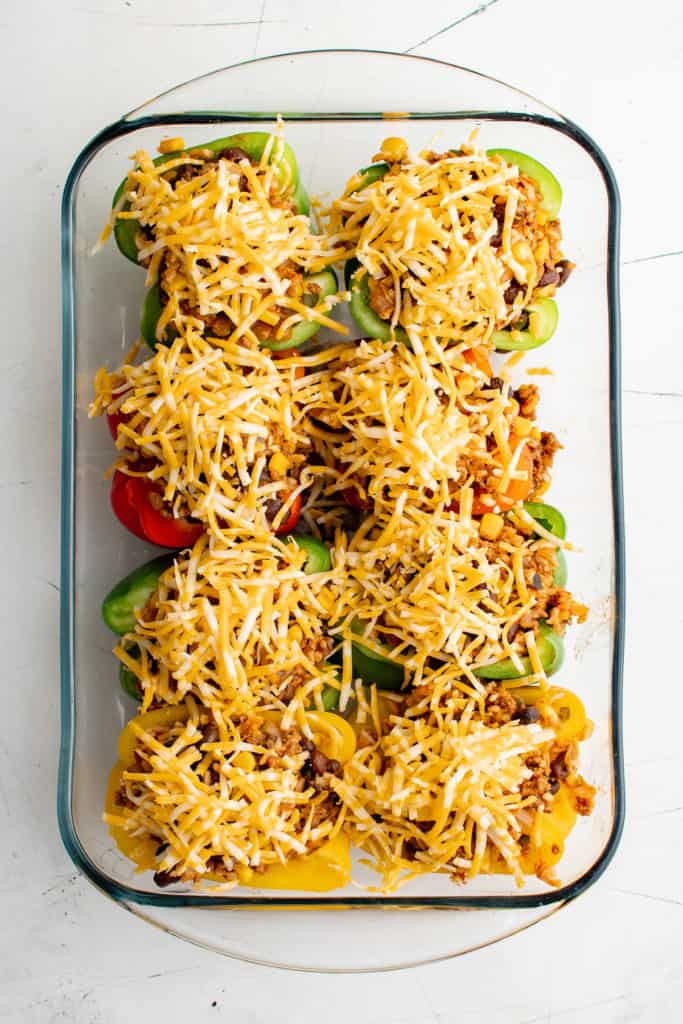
pixel 334 103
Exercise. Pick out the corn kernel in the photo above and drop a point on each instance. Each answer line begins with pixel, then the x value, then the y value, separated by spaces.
pixel 542 217
pixel 394 149
pixel 491 526
pixel 522 252
pixel 244 760
pixel 521 426
pixel 466 384
pixel 278 465
pixel 535 433
pixel 295 634
pixel 542 253
pixel 171 145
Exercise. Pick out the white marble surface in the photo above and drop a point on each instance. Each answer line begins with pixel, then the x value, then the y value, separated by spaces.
pixel 66 69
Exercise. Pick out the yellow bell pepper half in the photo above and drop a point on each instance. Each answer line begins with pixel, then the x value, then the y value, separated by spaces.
pixel 328 867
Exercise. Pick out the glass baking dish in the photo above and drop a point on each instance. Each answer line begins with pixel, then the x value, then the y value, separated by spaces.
pixel 334 103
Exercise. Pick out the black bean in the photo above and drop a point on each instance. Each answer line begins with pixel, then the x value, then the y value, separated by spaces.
pixel 512 291
pixel 233 153
pixel 526 715
pixel 513 630
pixel 536 582
pixel 164 878
pixel 319 762
pixel 565 268
pixel 558 766
pixel 550 276
pixel 210 732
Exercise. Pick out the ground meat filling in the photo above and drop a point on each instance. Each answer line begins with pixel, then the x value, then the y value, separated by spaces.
pixel 219 325
pixel 382 296
pixel 500 706
pixel 551 603
pixel 543 451
pixel 527 397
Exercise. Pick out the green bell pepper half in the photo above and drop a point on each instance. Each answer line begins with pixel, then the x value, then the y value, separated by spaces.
pixel 318 560
pixel 300 333
pixel 561 571
pixel 152 309
pixel 374 668
pixel 543 317
pixel 379 669
pixel 253 144
pixel 317 554
pixel 550 188
pixel 550 650
pixel 132 593
pixel 543 314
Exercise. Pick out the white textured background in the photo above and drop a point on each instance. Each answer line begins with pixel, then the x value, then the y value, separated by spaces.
pixel 68 68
